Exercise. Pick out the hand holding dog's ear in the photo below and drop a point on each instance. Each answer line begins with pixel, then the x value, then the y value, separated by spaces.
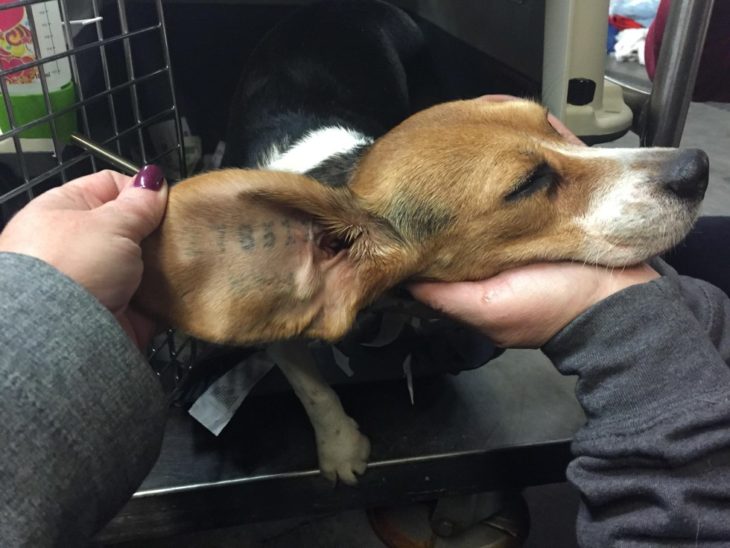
pixel 527 306
pixel 90 229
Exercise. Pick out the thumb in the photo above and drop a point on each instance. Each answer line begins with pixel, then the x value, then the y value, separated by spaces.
pixel 501 300
pixel 140 206
pixel 503 307
pixel 463 300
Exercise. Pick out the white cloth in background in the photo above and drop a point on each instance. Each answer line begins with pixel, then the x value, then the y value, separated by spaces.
pixel 630 45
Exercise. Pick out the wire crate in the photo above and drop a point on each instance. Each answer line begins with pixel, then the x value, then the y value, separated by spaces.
pixel 95 67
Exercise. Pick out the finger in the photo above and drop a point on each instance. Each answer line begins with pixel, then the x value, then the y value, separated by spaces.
pixel 502 298
pixel 559 126
pixel 455 299
pixel 563 130
pixel 99 188
pixel 498 98
pixel 140 205
pixel 88 192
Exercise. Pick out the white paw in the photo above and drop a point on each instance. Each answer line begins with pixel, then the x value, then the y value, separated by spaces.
pixel 343 451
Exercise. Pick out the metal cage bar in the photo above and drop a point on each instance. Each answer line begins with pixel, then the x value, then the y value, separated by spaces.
pixel 80 49
pixel 82 103
pixel 46 92
pixel 105 72
pixel 100 51
pixel 32 165
pixel 22 3
pixel 84 156
pixel 13 125
pixel 168 64
pixel 68 35
pixel 129 62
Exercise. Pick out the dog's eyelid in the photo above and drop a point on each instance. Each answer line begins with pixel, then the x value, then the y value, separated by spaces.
pixel 542 176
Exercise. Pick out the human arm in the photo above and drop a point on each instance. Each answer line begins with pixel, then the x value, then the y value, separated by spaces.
pixel 652 461
pixel 82 411
pixel 651 357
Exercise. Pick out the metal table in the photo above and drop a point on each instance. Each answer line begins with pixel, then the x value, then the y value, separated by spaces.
pixel 505 425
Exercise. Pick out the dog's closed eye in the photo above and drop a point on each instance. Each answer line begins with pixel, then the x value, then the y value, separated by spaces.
pixel 542 177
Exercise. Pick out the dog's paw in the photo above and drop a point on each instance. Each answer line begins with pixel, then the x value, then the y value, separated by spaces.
pixel 343 452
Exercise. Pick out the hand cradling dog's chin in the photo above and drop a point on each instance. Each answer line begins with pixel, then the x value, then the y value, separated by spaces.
pixel 526 307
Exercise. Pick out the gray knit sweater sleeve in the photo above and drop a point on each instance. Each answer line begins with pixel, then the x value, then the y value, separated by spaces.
pixel 652 461
pixel 81 413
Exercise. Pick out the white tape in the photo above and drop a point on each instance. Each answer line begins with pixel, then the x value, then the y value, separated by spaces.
pixel 408 373
pixel 220 150
pixel 342 361
pixel 217 405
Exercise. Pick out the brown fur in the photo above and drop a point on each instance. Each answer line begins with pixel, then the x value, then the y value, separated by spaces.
pixel 247 256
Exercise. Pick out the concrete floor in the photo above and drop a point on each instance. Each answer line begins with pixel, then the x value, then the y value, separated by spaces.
pixel 552 507
pixel 708 128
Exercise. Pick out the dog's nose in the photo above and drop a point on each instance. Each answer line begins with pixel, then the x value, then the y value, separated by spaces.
pixel 686 175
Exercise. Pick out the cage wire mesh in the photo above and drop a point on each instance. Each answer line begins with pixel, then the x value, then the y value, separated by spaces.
pixel 95 67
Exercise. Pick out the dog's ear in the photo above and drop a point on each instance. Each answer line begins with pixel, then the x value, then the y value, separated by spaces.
pixel 248 256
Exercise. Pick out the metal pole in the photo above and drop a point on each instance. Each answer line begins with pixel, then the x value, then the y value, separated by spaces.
pixel 676 72
pixel 105 154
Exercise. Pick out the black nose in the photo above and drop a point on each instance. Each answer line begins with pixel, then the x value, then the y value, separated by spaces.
pixel 686 175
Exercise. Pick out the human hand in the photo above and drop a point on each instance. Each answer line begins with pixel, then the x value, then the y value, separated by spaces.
pixel 561 128
pixel 527 306
pixel 90 230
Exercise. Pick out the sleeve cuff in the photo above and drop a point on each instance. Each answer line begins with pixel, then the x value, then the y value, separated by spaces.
pixel 638 354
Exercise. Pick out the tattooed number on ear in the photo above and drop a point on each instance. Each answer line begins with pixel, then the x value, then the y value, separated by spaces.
pixel 269 237
pixel 246 237
pixel 287 226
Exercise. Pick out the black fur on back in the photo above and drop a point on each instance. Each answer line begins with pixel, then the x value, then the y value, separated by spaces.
pixel 336 170
pixel 335 63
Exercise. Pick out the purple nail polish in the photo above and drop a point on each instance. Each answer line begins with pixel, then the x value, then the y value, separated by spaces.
pixel 149 177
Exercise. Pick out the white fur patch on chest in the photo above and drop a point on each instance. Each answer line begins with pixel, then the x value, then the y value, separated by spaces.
pixel 313 149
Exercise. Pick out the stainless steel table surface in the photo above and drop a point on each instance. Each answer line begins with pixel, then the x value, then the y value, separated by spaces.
pixel 505 425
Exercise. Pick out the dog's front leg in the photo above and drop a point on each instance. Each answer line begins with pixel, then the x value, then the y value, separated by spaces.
pixel 343 451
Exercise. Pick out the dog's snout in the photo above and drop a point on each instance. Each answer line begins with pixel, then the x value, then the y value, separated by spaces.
pixel 687 174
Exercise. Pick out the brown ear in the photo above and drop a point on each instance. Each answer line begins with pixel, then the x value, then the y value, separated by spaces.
pixel 248 256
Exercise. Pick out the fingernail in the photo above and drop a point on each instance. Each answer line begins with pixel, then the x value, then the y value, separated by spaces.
pixel 149 177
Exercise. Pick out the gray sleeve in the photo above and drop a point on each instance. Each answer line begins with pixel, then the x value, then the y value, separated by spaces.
pixel 652 461
pixel 81 413
pixel 708 304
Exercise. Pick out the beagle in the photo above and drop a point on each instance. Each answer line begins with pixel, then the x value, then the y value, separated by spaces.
pixel 460 191
pixel 346 196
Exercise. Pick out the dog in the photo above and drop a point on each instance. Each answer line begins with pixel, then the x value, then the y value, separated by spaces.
pixel 346 194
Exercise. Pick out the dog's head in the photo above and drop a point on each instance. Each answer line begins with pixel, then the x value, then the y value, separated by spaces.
pixel 460 191
pixel 487 186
